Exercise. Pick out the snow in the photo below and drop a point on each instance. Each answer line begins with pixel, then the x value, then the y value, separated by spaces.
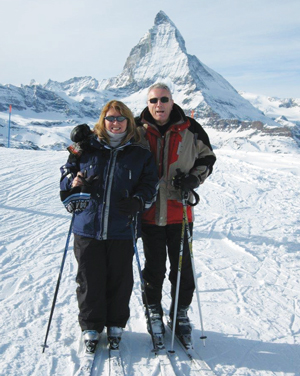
pixel 247 258
pixel 275 107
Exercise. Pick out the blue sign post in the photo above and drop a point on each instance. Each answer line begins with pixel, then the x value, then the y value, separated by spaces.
pixel 8 133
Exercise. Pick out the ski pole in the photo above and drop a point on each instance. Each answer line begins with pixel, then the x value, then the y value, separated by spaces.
pixel 58 282
pixel 184 202
pixel 177 287
pixel 142 285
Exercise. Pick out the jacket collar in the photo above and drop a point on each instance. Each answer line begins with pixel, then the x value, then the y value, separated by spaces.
pixel 102 144
pixel 178 120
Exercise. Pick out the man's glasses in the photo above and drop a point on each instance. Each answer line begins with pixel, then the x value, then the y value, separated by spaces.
pixel 162 99
pixel 115 118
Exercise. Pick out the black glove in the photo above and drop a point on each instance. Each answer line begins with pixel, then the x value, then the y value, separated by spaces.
pixel 76 199
pixel 185 182
pixel 130 206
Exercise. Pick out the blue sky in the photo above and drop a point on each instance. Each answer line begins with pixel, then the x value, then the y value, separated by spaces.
pixel 253 44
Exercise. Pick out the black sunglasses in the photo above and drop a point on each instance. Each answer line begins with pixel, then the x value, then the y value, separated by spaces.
pixel 115 118
pixel 162 99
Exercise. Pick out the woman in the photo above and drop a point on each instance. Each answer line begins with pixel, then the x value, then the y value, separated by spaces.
pixel 119 174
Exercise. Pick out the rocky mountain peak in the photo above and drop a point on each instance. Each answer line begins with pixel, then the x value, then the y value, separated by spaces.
pixel 161 17
pixel 161 55
pixel 154 57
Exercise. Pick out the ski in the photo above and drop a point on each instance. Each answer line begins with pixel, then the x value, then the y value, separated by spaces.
pixel 165 363
pixel 197 364
pixel 116 367
pixel 87 360
pixel 86 365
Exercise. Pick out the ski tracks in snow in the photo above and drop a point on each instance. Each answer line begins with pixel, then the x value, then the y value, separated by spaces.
pixel 246 246
pixel 246 252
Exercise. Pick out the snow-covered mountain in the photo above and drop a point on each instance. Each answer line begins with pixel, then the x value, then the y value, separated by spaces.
pixel 160 55
pixel 285 111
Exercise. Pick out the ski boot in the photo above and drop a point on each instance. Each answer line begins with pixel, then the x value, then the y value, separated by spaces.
pixel 183 328
pixel 91 339
pixel 114 334
pixel 158 328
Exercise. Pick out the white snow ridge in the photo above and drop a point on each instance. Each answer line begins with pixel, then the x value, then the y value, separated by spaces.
pixel 246 233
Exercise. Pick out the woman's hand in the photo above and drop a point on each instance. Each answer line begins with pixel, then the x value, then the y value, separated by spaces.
pixel 77 182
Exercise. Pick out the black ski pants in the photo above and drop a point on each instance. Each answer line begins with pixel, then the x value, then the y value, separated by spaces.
pixel 158 241
pixel 105 281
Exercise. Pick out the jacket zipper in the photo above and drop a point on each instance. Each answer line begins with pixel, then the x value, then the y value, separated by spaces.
pixel 107 194
pixel 161 157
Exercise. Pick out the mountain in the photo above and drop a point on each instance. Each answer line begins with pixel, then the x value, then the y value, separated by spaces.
pixel 160 55
pixel 285 111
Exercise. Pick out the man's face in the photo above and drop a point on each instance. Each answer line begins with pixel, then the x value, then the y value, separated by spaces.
pixel 160 110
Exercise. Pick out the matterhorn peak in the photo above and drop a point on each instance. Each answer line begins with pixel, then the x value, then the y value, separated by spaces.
pixel 161 17
pixel 161 56
pixel 153 58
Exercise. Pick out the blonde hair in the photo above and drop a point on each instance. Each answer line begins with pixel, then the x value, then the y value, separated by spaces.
pixel 100 129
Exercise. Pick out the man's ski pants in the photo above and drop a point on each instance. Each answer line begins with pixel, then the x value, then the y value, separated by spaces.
pixel 158 241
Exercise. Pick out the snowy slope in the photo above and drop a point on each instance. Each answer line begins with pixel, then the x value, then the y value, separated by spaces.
pixel 247 255
pixel 281 109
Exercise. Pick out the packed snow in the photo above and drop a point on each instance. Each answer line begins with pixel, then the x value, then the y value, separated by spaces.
pixel 286 111
pixel 247 258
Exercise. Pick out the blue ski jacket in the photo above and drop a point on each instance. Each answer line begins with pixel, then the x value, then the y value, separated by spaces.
pixel 127 169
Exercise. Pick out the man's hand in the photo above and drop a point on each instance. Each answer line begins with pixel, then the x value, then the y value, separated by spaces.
pixel 185 182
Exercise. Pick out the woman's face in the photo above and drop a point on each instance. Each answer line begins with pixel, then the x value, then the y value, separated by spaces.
pixel 115 125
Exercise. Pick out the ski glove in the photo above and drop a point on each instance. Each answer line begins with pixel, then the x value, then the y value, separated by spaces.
pixel 130 206
pixel 185 182
pixel 78 198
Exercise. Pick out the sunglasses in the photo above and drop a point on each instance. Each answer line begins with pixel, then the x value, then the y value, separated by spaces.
pixel 162 99
pixel 115 118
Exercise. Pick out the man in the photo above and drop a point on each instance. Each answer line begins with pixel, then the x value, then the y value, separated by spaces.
pixel 177 142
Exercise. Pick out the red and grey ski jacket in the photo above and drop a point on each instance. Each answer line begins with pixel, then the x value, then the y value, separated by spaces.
pixel 184 146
